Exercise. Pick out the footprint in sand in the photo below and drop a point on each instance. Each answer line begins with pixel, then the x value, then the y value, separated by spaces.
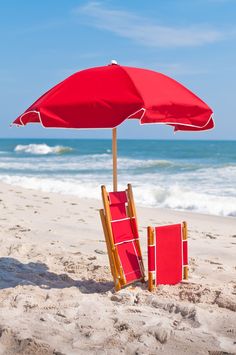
pixel 23 230
pixel 14 248
pixel 162 334
pixel 187 313
pixel 81 220
pixel 209 235
pixel 98 251
pixel 71 267
pixel 77 253
pixel 92 267
pixel 214 262
pixel 91 257
pixel 13 344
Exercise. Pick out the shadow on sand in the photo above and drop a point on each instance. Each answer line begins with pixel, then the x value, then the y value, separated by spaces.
pixel 14 273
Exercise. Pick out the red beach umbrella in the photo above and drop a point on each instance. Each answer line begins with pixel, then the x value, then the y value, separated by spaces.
pixel 104 97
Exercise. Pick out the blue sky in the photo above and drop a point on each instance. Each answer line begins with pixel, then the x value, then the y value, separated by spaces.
pixel 42 42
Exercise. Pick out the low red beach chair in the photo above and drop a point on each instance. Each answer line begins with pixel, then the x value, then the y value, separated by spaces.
pixel 167 255
pixel 121 233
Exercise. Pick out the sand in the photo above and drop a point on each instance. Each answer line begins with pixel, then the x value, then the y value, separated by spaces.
pixel 56 291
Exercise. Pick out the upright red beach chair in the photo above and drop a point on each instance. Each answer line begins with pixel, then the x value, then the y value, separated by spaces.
pixel 119 223
pixel 167 255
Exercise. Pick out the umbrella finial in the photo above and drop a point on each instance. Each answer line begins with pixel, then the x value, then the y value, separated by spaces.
pixel 113 61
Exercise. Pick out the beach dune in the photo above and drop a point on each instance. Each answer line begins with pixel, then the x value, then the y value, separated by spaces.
pixel 57 295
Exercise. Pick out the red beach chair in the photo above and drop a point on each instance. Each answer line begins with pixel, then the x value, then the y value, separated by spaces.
pixel 121 233
pixel 167 255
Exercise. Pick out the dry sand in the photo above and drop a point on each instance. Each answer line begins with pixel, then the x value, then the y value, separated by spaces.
pixel 56 291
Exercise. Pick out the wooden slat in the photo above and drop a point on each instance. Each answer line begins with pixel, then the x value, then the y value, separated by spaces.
pixel 151 280
pixel 185 237
pixel 132 213
pixel 131 202
pixel 120 273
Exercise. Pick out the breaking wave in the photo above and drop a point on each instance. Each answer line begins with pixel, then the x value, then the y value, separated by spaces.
pixel 42 149
pixel 176 197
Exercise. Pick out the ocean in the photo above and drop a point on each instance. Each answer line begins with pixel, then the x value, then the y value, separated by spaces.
pixel 197 176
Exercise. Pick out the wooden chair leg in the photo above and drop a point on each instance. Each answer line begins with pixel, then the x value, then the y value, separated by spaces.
pixel 185 236
pixel 151 279
pixel 150 282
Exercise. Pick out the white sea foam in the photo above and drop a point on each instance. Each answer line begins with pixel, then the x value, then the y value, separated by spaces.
pixel 174 196
pixel 42 149
pixel 181 198
pixel 63 185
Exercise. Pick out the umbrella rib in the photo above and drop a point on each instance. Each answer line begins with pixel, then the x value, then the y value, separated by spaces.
pixel 134 86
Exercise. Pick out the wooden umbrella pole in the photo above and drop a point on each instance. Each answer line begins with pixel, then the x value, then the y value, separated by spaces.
pixel 114 154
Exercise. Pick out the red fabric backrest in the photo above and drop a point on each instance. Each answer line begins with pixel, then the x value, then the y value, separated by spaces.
pixel 169 254
pixel 117 197
pixel 117 204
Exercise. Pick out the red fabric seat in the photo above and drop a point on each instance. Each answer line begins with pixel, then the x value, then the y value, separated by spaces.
pixel 167 255
pixel 130 261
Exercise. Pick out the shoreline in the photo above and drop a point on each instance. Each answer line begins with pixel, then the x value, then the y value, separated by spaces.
pixel 56 291
pixel 97 200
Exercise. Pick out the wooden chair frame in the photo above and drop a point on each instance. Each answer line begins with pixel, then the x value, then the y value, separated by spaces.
pixel 114 260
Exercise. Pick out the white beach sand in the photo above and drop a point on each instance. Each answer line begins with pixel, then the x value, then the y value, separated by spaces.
pixel 56 291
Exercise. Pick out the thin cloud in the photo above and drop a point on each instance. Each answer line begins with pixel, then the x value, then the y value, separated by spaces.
pixel 143 31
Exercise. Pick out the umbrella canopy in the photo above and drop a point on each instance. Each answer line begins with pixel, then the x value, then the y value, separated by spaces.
pixel 104 97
